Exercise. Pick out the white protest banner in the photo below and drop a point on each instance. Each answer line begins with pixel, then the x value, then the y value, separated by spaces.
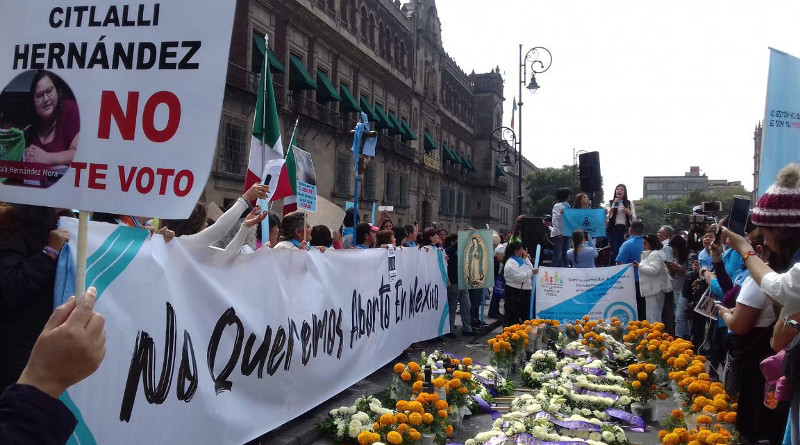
pixel 209 347
pixel 602 292
pixel 126 98
pixel 707 306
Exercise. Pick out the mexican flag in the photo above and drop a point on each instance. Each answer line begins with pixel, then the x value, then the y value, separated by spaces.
pixel 284 184
pixel 265 144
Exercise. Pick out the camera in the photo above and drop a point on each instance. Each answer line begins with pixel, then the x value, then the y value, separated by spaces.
pixel 699 221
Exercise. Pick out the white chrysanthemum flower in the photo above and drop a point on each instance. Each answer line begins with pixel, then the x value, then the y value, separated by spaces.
pixel 608 436
pixel 595 436
pixel 352 410
pixel 341 429
pixel 354 428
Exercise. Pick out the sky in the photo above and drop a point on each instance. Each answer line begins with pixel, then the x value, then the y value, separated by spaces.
pixel 654 86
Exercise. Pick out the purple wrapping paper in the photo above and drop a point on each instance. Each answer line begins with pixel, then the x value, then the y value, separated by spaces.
pixel 569 424
pixel 588 392
pixel 575 352
pixel 595 371
pixel 637 422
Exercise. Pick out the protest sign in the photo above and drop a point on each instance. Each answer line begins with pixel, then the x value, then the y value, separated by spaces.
pixel 306 181
pixel 328 214
pixel 567 294
pixel 707 306
pixel 781 134
pixel 475 259
pixel 126 98
pixel 196 353
pixel 590 220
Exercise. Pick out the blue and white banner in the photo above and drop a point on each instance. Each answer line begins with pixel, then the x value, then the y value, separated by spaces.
pixel 206 346
pixel 781 136
pixel 590 220
pixel 567 294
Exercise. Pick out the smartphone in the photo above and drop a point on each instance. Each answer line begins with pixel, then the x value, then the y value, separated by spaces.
pixel 267 179
pixel 793 324
pixel 711 206
pixel 386 208
pixel 737 219
pixel 718 235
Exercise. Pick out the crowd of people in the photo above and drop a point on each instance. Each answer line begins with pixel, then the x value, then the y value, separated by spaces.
pixel 754 278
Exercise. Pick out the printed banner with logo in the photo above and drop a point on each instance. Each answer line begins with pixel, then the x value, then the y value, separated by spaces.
pixel 475 259
pixel 781 133
pixel 110 106
pixel 590 220
pixel 603 292
pixel 201 350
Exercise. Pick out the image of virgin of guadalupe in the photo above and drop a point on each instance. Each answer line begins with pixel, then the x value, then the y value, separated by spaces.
pixel 476 262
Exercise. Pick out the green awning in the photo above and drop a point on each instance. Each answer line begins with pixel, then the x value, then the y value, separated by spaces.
pixel 470 165
pixel 349 102
pixel 371 115
pixel 325 90
pixel 275 66
pixel 299 78
pixel 464 162
pixel 456 157
pixel 407 133
pixel 498 170
pixel 398 129
pixel 448 154
pixel 430 143
pixel 385 123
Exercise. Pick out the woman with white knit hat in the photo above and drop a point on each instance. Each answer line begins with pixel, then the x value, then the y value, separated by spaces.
pixel 778 216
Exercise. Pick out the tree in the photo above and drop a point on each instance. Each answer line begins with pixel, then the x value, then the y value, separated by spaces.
pixel 541 186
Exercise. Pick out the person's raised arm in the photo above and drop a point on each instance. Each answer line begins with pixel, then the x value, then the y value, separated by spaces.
pixel 225 223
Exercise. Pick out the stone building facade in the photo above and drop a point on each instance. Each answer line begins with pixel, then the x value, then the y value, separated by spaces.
pixel 332 58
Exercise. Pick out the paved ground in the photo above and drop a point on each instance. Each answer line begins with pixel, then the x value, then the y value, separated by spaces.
pixel 303 430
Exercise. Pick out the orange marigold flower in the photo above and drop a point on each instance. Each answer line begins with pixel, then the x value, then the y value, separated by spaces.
pixel 706 420
pixel 415 418
pixel 427 418
pixel 399 367
pixel 394 438
pixel 413 367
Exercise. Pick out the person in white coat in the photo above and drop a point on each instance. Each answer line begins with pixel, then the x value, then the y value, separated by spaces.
pixel 653 276
pixel 518 272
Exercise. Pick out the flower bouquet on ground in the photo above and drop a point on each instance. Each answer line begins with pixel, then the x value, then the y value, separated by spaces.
pixel 404 380
pixel 394 429
pixel 489 377
pixel 595 343
pixel 540 367
pixel 428 415
pixel 344 424
pixel 502 353
pixel 643 389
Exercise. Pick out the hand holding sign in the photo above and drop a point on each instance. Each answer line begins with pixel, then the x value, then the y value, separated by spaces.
pixel 707 306
pixel 69 349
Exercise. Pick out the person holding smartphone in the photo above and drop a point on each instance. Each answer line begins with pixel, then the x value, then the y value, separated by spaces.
pixel 776 215
pixel 620 213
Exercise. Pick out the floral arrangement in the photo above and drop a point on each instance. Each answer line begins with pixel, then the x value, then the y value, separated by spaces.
pixel 408 378
pixel 642 383
pixel 502 352
pixel 346 423
pixel 428 414
pixel 492 380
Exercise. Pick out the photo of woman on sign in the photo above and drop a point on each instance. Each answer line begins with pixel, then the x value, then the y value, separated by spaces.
pixel 48 115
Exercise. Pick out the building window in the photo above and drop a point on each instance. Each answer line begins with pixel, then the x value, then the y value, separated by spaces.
pixel 344 10
pixel 368 191
pixel 694 186
pixel 655 186
pixel 364 27
pixel 403 190
pixel 233 142
pixel 443 200
pixel 460 201
pixel 391 188
pixel 674 197
pixel 452 201
pixel 675 186
pixel 342 183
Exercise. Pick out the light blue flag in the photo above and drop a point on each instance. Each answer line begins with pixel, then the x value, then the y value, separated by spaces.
pixel 590 220
pixel 64 286
pixel 781 135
